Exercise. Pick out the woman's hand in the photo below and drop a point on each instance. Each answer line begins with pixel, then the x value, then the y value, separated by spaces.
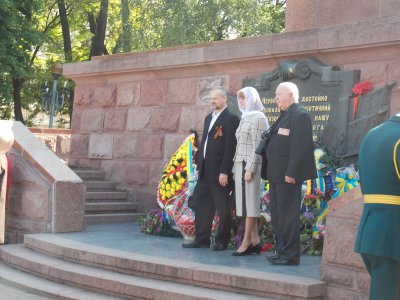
pixel 247 176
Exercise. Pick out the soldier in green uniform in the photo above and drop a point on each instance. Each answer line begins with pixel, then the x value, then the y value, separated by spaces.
pixel 378 238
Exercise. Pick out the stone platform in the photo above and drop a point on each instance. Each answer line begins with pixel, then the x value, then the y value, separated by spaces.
pixel 117 261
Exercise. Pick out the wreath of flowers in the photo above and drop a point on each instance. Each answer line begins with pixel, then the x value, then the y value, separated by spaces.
pixel 174 177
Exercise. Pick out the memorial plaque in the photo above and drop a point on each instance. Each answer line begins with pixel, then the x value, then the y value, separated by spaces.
pixel 324 91
pixel 373 109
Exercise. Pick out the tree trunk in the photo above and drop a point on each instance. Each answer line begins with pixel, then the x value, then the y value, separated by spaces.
pixel 17 87
pixel 126 27
pixel 97 48
pixel 65 31
pixel 67 48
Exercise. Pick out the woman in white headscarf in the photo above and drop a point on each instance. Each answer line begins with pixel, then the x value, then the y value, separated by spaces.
pixel 247 167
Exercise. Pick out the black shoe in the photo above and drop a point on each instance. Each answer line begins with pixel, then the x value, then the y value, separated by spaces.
pixel 248 251
pixel 195 244
pixel 284 262
pixel 218 247
pixel 256 249
pixel 272 255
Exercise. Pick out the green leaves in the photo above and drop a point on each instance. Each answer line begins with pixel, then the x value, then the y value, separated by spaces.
pixel 32 39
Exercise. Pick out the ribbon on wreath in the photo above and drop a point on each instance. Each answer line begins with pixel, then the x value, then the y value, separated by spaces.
pixel 190 170
pixel 317 185
pixel 344 182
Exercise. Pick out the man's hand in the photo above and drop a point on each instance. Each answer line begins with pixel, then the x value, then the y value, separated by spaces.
pixel 223 179
pixel 290 180
pixel 247 176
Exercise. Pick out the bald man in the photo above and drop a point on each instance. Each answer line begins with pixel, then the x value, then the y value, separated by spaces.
pixel 215 182
pixel 290 157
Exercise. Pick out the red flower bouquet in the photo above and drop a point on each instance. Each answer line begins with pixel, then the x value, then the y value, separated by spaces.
pixel 359 89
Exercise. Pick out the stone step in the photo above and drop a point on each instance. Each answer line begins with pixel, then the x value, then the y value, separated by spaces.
pixel 104 207
pixel 101 280
pixel 98 184
pixel 106 195
pixel 99 218
pixel 231 279
pixel 89 174
pixel 104 190
pixel 105 200
pixel 35 285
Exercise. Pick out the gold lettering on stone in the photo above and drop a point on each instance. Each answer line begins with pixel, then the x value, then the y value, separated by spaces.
pixel 321 118
pixel 271 110
pixel 319 98
pixel 268 100
pixel 272 119
pixel 312 108
pixel 317 127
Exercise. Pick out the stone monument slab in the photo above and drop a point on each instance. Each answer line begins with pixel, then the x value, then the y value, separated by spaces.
pixel 324 91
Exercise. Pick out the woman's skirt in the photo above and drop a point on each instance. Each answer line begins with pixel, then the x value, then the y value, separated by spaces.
pixel 247 194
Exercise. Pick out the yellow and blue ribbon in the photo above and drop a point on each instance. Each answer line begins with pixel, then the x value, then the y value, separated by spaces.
pixel 344 182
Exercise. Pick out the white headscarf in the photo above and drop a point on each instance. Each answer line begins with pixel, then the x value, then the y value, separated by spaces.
pixel 253 101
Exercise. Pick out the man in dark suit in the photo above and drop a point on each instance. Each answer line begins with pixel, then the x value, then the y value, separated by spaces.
pixel 378 238
pixel 290 161
pixel 214 165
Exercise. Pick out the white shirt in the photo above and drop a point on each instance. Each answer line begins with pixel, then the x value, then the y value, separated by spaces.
pixel 215 116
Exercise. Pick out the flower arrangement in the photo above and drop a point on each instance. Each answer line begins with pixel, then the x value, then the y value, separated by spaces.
pixel 309 243
pixel 158 223
pixel 176 185
pixel 151 223
pixel 184 216
pixel 174 177
pixel 359 89
pixel 331 182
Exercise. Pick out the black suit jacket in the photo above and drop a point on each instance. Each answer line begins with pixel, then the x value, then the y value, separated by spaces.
pixel 290 151
pixel 220 149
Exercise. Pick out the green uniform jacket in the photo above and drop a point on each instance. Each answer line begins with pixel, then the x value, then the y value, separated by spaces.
pixel 379 160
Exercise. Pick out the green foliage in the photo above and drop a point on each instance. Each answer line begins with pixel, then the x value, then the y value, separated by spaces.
pixel 18 37
pixel 32 39
pixel 166 23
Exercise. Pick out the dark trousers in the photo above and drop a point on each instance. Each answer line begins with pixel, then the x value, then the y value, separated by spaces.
pixel 385 277
pixel 210 197
pixel 285 200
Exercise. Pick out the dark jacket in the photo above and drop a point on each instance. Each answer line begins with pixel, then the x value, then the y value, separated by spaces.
pixel 221 146
pixel 290 150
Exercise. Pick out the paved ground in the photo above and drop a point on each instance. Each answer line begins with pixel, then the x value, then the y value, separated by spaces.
pixel 127 237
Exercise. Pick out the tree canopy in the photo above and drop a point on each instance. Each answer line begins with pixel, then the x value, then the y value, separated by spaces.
pixel 35 34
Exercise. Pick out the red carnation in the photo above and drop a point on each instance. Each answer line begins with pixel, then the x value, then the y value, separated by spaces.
pixel 359 89
pixel 266 247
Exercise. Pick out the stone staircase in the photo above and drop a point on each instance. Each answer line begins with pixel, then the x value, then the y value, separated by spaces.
pixel 63 269
pixel 104 202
